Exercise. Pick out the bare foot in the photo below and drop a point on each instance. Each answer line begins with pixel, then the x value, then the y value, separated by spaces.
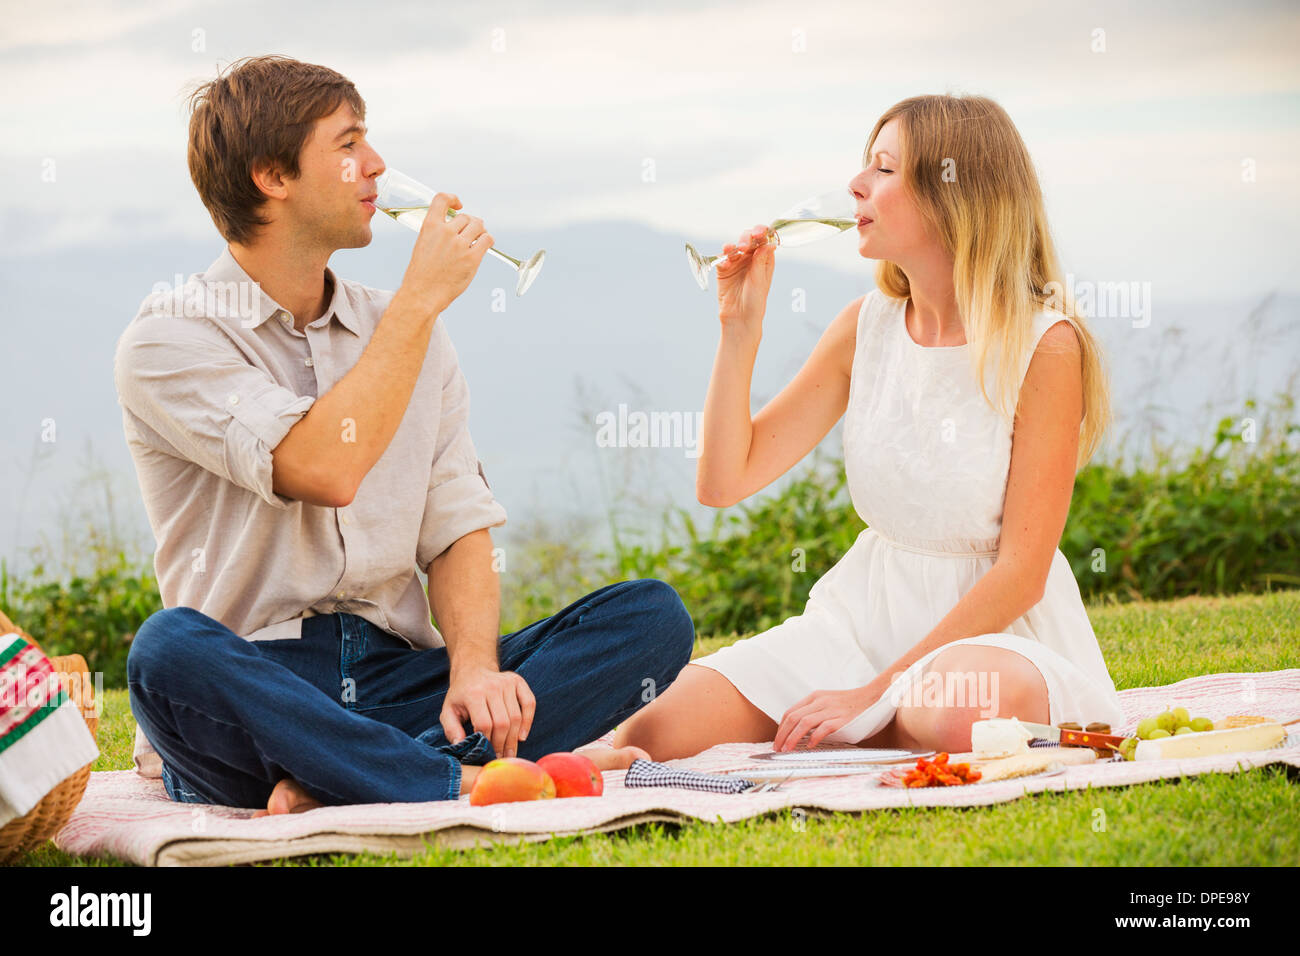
pixel 613 758
pixel 289 797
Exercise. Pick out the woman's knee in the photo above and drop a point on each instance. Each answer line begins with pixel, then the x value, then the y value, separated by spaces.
pixel 1019 688
pixel 1003 683
pixel 967 683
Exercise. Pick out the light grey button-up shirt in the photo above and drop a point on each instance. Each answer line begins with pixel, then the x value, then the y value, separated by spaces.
pixel 210 378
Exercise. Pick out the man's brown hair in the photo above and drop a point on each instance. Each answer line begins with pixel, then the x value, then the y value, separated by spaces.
pixel 261 110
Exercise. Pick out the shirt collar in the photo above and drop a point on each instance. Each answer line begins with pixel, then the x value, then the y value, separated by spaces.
pixel 226 270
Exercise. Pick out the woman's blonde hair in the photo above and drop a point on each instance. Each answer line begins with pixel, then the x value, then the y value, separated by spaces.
pixel 970 175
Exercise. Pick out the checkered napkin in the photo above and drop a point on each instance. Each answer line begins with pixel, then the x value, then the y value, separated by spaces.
pixel 647 773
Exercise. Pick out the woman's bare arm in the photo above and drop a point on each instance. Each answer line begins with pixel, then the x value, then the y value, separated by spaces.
pixel 740 456
pixel 1045 445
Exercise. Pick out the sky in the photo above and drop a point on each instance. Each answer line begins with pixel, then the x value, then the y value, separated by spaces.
pixel 1139 117
pixel 1165 135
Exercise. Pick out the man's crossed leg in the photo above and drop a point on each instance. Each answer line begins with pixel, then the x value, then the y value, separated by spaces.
pixel 350 714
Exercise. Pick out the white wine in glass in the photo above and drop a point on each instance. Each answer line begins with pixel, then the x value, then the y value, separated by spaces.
pixel 820 217
pixel 407 201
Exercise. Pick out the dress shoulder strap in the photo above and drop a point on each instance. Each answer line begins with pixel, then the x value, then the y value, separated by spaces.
pixel 867 344
pixel 874 305
pixel 1043 321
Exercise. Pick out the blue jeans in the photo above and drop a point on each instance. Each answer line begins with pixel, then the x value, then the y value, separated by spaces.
pixel 352 712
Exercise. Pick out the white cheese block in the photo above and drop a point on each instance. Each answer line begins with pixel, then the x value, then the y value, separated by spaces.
pixel 999 735
pixel 1207 743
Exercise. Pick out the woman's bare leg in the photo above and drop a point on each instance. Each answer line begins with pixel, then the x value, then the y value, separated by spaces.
pixel 702 708
pixel 1018 687
pixel 699 709
pixel 889 737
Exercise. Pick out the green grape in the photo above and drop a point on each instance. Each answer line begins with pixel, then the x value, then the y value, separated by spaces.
pixel 1158 733
pixel 1166 721
pixel 1184 730
pixel 1145 727
pixel 1201 724
pixel 1181 717
pixel 1128 747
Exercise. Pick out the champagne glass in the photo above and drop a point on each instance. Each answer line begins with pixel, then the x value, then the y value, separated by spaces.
pixel 821 216
pixel 407 202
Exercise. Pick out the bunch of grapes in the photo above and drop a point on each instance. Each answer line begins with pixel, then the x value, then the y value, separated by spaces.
pixel 1166 724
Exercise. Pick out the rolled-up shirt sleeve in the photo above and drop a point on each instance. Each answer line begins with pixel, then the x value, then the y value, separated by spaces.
pixel 459 500
pixel 198 393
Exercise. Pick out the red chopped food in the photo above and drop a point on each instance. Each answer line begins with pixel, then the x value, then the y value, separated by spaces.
pixel 939 773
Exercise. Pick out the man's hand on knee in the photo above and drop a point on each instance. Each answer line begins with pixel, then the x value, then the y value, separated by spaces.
pixel 498 704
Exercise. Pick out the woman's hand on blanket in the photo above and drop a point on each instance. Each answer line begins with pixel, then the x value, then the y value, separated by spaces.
pixel 820 714
pixel 498 704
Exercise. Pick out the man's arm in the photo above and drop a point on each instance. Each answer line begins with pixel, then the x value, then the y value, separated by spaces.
pixel 465 597
pixel 313 463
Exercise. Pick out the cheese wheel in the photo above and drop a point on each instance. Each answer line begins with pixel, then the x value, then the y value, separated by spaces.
pixel 1210 742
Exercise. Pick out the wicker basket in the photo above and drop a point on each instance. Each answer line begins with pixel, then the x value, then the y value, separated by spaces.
pixel 33 828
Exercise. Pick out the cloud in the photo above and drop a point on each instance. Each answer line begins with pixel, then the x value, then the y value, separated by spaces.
pixel 77 23
pixel 550 116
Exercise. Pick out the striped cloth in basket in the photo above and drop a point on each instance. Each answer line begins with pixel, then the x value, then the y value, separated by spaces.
pixel 43 736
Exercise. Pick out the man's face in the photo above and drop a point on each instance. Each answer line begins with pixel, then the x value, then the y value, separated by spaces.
pixel 327 204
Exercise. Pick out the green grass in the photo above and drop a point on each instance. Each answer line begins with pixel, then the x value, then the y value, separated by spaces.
pixel 1244 819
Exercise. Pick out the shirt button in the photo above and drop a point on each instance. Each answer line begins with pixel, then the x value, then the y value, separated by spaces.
pixel 309 362
pixel 234 399
pixel 345 520
pixel 339 595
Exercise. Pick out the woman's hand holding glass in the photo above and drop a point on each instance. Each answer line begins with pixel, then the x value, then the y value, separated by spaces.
pixel 744 279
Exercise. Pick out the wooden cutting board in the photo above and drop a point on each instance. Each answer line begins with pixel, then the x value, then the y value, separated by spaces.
pixel 1021 765
pixel 1004 768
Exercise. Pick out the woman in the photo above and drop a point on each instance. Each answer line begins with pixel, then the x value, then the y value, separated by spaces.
pixel 955 604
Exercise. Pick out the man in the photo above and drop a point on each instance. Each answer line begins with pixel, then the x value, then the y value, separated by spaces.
pixel 302 446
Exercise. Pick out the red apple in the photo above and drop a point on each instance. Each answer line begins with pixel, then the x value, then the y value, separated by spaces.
pixel 510 780
pixel 574 775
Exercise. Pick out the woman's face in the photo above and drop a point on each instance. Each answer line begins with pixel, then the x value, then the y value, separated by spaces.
pixel 896 231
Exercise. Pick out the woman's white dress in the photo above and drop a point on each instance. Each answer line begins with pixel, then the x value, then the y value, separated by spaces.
pixel 927 461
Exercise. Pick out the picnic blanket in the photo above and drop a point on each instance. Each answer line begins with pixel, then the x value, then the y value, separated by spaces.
pixel 129 816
